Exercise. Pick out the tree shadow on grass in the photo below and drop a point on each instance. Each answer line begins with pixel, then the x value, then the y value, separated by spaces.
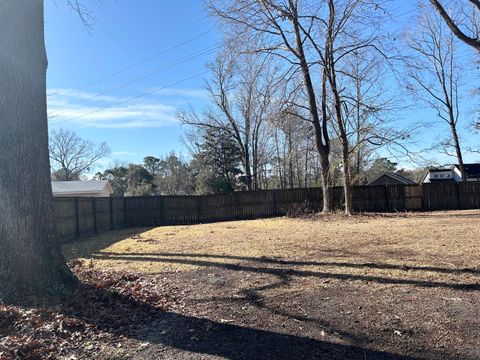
pixel 84 247
pixel 263 340
pixel 125 316
pixel 282 271
pixel 280 261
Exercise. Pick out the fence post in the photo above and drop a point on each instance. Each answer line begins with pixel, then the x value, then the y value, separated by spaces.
pixel 275 204
pixel 457 196
pixel 387 200
pixel 77 217
pixel 94 206
pixel 124 212
pixel 162 211
pixel 112 225
pixel 423 186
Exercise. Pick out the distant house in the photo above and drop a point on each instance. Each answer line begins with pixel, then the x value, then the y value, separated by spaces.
pixel 451 173
pixel 390 178
pixel 101 188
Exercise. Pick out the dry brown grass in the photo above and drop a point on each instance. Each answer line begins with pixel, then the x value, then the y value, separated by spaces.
pixel 406 284
pixel 398 246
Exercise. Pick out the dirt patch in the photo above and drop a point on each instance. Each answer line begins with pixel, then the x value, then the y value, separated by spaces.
pixel 375 286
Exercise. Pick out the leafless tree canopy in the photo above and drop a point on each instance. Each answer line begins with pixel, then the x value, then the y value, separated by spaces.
pixel 462 17
pixel 72 155
pixel 84 11
pixel 241 99
pixel 434 74
pixel 329 52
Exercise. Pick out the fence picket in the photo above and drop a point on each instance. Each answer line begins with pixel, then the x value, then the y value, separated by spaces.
pixel 80 216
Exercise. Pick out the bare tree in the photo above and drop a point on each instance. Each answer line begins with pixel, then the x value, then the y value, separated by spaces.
pixel 72 154
pixel 284 29
pixel 241 95
pixel 351 27
pixel 434 77
pixel 293 151
pixel 466 27
pixel 369 110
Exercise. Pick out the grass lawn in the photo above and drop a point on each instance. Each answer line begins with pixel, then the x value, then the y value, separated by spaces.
pixel 367 287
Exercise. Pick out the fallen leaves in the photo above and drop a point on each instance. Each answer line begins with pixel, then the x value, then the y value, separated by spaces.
pixel 108 311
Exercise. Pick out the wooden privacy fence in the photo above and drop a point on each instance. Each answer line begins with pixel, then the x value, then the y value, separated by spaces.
pixel 80 216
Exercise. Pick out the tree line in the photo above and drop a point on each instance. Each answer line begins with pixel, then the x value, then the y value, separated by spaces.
pixel 215 167
pixel 298 96
pixel 302 89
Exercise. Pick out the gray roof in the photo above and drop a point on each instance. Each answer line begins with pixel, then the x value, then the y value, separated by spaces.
pixel 400 178
pixel 441 168
pixel 62 187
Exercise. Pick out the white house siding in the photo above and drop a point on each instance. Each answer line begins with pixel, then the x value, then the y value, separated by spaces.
pixel 99 188
pixel 441 175
pixel 446 174
pixel 457 175
pixel 103 193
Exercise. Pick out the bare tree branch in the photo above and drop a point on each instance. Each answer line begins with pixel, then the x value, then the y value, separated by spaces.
pixel 471 41
pixel 72 154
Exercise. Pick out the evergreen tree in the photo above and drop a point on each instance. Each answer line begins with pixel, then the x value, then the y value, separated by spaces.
pixel 380 166
pixel 173 176
pixel 217 164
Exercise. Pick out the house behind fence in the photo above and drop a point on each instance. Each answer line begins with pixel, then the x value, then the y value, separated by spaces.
pixel 81 216
pixel 92 188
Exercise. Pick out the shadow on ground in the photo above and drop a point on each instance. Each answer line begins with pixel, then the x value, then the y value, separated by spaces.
pixel 181 336
pixel 85 247
pixel 279 261
pixel 282 271
pixel 186 335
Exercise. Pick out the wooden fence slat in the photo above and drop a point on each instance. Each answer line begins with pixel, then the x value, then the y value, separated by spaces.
pixel 77 218
pixel 80 216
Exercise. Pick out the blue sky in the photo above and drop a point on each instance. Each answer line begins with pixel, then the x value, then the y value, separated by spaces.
pixel 142 60
pixel 126 33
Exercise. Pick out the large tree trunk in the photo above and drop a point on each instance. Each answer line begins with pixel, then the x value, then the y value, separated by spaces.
pixel 248 171
pixel 326 189
pixel 337 104
pixel 347 183
pixel 458 149
pixel 31 263
pixel 322 140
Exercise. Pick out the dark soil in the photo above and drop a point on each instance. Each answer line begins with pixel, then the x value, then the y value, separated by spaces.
pixel 364 287
pixel 230 313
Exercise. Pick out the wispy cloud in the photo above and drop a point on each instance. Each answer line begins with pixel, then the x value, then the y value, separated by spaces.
pixel 67 106
pixel 184 93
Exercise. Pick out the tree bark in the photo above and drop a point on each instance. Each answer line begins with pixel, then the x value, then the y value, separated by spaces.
pixel 326 189
pixel 319 125
pixel 31 262
pixel 347 183
pixel 473 42
pixel 458 150
pixel 347 186
pixel 247 168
